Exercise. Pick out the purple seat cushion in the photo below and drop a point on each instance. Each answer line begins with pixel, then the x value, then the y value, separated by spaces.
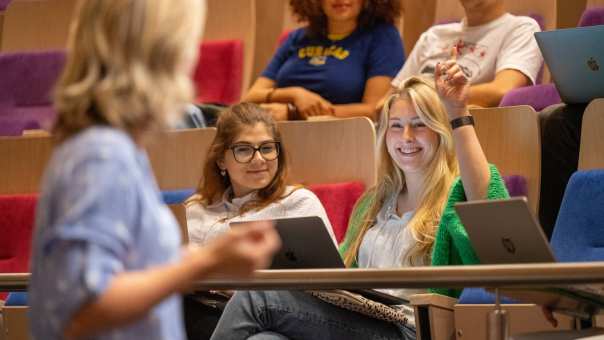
pixel 537 96
pixel 28 78
pixel 4 4
pixel 25 90
pixel 13 120
pixel 592 17
pixel 516 185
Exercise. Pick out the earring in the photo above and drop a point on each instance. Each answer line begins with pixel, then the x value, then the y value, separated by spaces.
pixel 222 172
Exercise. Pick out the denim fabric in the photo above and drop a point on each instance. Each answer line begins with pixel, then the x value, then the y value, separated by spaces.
pixel 276 315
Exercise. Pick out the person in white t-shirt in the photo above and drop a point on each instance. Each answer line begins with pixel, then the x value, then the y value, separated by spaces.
pixel 496 50
pixel 243 180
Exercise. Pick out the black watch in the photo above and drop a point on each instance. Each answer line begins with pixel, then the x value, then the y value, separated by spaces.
pixel 462 121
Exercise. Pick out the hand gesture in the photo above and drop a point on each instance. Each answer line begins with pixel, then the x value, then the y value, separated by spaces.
pixel 309 104
pixel 240 251
pixel 452 85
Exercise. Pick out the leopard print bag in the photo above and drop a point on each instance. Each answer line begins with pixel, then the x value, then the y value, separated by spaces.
pixel 360 304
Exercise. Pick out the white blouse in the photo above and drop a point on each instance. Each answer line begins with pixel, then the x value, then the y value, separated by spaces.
pixel 207 223
pixel 386 244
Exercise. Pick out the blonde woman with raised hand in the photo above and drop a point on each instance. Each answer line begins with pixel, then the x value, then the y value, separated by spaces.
pixel 107 261
pixel 425 140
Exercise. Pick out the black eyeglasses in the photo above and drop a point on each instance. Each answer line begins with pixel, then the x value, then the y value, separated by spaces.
pixel 244 153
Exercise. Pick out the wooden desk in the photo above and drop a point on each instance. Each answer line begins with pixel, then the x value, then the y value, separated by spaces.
pixel 520 275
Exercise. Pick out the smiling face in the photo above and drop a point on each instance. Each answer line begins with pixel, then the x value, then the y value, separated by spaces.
pixel 410 143
pixel 257 173
pixel 342 10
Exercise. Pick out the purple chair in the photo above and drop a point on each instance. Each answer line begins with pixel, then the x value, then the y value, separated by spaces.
pixel 4 4
pixel 25 88
pixel 537 96
pixel 592 17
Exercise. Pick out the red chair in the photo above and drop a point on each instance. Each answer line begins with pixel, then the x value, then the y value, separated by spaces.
pixel 338 200
pixel 16 226
pixel 219 72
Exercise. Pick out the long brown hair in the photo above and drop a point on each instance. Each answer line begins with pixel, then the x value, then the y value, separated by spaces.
pixel 230 124
pixel 441 172
pixel 126 65
pixel 373 12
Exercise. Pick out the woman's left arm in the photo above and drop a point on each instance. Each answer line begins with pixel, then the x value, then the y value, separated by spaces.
pixel 375 88
pixel 453 88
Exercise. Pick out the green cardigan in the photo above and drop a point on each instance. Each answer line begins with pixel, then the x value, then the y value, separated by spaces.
pixel 451 245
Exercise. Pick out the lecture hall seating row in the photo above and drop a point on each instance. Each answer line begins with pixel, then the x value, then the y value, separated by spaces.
pixel 30 25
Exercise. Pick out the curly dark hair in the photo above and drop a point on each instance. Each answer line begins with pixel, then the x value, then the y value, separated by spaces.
pixel 373 12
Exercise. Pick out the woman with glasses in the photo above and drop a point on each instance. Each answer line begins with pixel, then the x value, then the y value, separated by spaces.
pixel 429 158
pixel 243 179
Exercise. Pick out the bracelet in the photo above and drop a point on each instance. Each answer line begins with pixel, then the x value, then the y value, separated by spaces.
pixel 269 95
pixel 292 112
pixel 462 121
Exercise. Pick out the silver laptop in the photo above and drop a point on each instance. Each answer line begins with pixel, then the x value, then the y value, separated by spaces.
pixel 575 57
pixel 306 243
pixel 504 231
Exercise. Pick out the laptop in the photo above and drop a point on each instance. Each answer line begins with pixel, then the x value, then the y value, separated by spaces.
pixel 575 57
pixel 504 231
pixel 306 244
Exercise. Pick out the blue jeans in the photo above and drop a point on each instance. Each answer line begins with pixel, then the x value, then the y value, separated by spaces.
pixel 282 315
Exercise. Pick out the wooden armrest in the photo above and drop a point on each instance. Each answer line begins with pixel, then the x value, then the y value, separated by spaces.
pixel 435 300
pixel 434 316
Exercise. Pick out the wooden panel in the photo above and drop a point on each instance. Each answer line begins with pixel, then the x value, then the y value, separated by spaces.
pixel 471 320
pixel 24 160
pixel 510 139
pixel 234 19
pixel 330 151
pixel 418 16
pixel 177 157
pixel 591 154
pixel 269 25
pixel 16 323
pixel 569 13
pixel 37 25
pixel 434 314
pixel 595 3
pixel 180 214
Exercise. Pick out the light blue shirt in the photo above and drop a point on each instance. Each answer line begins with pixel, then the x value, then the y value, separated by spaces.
pixel 100 213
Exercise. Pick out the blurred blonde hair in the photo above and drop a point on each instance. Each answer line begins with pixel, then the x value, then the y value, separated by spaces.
pixel 127 64
pixel 441 171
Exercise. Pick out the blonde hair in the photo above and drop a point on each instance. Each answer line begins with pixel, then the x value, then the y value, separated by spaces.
pixel 127 64
pixel 442 170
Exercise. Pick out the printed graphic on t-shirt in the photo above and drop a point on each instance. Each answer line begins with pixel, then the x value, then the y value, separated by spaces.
pixel 318 55
pixel 469 57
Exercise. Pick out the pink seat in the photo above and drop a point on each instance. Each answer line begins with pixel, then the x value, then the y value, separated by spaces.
pixel 219 72
pixel 339 200
pixel 16 226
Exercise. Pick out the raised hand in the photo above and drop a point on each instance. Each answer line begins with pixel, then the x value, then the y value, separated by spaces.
pixel 452 86
pixel 309 104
